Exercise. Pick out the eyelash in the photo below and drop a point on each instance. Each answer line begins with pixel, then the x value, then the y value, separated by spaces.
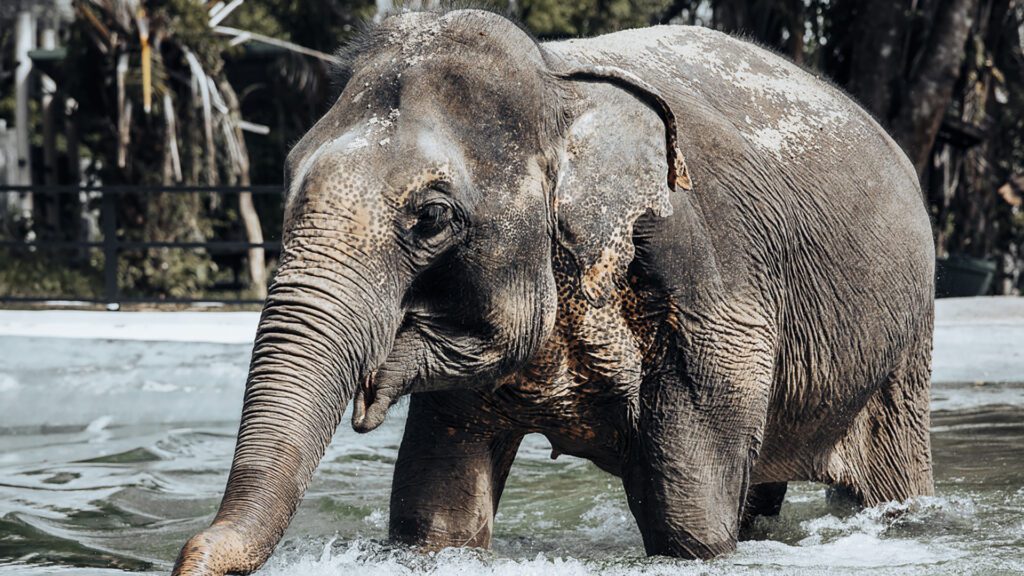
pixel 433 217
pixel 435 213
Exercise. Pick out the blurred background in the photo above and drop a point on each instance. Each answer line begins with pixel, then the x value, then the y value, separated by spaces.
pixel 142 141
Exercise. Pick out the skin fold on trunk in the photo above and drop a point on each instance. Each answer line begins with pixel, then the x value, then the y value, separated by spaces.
pixel 318 335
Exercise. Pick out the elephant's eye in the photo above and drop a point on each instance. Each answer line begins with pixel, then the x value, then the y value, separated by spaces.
pixel 433 218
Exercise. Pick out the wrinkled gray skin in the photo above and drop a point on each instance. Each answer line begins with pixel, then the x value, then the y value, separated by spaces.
pixel 508 231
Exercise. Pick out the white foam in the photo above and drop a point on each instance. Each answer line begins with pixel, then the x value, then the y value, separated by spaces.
pixel 858 550
pixel 849 554
pixel 870 540
pixel 372 559
pixel 97 425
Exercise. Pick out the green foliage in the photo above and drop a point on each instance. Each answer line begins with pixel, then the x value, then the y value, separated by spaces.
pixel 175 273
pixel 319 24
pixel 258 17
pixel 187 22
pixel 45 274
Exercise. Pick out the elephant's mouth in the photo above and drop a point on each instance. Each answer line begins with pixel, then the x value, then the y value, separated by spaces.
pixel 370 405
pixel 424 340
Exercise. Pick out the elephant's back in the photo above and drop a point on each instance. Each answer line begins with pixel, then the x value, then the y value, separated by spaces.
pixel 775 152
pixel 776 109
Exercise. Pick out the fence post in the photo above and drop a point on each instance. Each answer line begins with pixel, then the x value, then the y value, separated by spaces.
pixel 108 218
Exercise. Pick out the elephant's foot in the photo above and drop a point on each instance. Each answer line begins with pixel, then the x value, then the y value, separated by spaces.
pixel 684 545
pixel 432 532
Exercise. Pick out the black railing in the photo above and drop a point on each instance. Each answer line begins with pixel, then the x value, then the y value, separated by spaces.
pixel 112 245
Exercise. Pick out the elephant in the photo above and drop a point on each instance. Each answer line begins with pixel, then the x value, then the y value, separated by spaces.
pixel 670 251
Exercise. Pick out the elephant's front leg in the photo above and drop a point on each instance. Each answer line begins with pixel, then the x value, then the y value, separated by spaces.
pixel 702 414
pixel 451 469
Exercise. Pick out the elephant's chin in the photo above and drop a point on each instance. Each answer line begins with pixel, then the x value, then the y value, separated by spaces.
pixel 370 405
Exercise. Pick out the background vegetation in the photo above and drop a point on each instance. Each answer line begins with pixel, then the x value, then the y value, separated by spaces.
pixel 945 77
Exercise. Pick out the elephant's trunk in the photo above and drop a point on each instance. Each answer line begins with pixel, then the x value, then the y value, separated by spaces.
pixel 319 335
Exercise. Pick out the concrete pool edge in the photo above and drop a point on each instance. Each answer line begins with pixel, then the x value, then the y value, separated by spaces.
pixel 149 326
pixel 976 339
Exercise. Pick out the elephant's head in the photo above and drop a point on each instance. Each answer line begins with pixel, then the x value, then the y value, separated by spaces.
pixel 421 216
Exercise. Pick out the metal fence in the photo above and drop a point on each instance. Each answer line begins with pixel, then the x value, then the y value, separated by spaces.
pixel 112 245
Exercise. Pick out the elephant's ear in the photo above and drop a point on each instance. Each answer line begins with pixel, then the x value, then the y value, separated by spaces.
pixel 620 159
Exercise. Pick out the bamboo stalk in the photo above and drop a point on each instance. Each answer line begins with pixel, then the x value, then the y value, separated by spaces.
pixel 220 15
pixel 246 207
pixel 147 60
pixel 97 26
pixel 172 137
pixel 236 33
pixel 123 111
pixel 200 78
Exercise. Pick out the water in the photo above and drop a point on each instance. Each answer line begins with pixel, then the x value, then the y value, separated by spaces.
pixel 127 466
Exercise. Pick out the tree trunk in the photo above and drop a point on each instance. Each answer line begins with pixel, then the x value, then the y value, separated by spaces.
pixel 674 10
pixel 254 235
pixel 20 205
pixel 733 15
pixel 930 90
pixel 876 56
pixel 246 208
pixel 795 27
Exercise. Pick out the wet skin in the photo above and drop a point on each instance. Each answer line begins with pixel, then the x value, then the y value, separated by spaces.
pixel 667 250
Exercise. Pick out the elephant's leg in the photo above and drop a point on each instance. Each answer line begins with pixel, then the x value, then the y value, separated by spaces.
pixel 887 453
pixel 450 473
pixel 762 500
pixel 701 422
